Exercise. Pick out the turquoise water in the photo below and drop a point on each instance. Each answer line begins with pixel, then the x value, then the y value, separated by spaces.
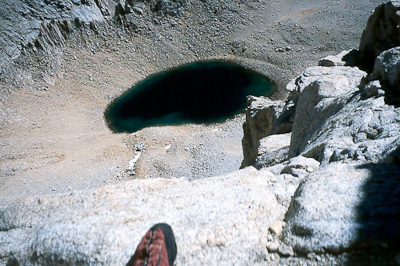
pixel 200 92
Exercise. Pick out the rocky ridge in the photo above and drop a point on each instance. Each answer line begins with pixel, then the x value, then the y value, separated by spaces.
pixel 328 196
pixel 349 121
pixel 43 24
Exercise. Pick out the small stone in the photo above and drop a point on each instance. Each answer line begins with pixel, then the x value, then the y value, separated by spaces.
pixel 373 88
pixel 139 146
pixel 272 246
pixel 333 60
pixel 311 255
pixel 138 10
pixel 276 228
pixel 286 251
pixel 274 257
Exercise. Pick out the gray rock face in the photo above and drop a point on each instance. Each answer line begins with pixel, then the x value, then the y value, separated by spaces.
pixel 358 208
pixel 24 23
pixel 43 24
pixel 263 118
pixel 103 227
pixel 161 7
pixel 169 7
pixel 371 89
pixel 339 191
pixel 300 166
pixel 271 158
pixel 344 121
pixel 387 70
pixel 342 127
pixel 385 77
pixel 387 66
pixel 382 32
pixel 261 114
pixel 324 91
pixel 333 60
pixel 272 150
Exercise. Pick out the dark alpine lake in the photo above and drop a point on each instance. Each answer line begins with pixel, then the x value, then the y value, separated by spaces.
pixel 200 92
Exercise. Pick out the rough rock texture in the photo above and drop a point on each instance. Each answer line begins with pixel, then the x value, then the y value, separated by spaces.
pixel 324 91
pixel 387 67
pixel 334 60
pixel 300 166
pixel 387 70
pixel 162 7
pixel 272 150
pixel 173 8
pixel 382 33
pixel 264 117
pixel 333 124
pixel 371 89
pixel 351 202
pixel 271 157
pixel 344 152
pixel 41 23
pixel 209 218
pixel 342 127
pixel 359 208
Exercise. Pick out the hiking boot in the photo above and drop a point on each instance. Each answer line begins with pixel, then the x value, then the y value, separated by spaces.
pixel 157 248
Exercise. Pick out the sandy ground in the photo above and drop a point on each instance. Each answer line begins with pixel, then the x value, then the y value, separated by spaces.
pixel 53 134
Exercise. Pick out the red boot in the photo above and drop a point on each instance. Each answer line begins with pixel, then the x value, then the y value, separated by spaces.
pixel 157 248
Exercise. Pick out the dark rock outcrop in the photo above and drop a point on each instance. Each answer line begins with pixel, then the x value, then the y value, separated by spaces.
pixel 41 24
pixel 382 33
pixel 168 7
pixel 387 71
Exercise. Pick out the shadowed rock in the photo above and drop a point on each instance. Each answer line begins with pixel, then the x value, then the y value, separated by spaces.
pixel 382 33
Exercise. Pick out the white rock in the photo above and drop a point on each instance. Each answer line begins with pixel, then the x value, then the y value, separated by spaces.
pixel 286 251
pixel 387 66
pixel 333 60
pixel 276 227
pixel 214 219
pixel 274 142
pixel 343 205
pixel 323 93
pixel 273 246
pixel 261 114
